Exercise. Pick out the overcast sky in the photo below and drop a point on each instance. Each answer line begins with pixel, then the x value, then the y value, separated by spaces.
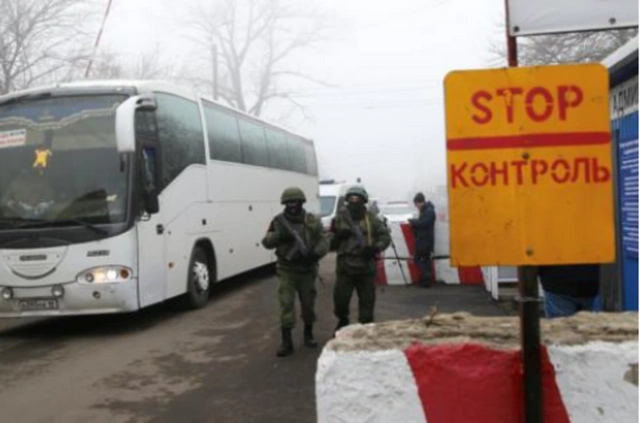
pixel 384 120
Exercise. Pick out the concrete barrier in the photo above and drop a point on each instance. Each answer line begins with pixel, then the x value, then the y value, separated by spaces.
pixel 401 269
pixel 464 369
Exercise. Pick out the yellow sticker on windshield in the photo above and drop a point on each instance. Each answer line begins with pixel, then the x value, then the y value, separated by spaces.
pixel 42 158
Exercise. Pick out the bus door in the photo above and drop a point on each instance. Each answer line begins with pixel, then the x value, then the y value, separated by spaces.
pixel 152 269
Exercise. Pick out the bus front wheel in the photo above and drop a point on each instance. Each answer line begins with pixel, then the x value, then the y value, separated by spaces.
pixel 199 280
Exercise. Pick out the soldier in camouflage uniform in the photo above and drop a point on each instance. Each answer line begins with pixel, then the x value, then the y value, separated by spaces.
pixel 358 236
pixel 298 239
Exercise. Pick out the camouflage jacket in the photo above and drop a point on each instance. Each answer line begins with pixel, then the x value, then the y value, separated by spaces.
pixel 290 258
pixel 352 257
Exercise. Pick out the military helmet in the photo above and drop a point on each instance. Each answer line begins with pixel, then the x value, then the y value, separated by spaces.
pixel 357 191
pixel 292 194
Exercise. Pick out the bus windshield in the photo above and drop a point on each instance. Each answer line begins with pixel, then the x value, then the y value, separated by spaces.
pixel 327 205
pixel 59 162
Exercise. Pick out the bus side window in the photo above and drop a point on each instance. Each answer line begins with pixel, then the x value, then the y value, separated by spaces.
pixel 297 154
pixel 254 144
pixel 278 150
pixel 223 134
pixel 312 164
pixel 181 136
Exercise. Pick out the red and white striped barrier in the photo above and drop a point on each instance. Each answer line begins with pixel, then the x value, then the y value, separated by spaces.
pixel 465 382
pixel 392 271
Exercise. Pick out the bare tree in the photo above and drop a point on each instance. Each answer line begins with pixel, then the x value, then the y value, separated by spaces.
pixel 153 65
pixel 106 65
pixel 39 38
pixel 254 42
pixel 580 47
pixel 110 65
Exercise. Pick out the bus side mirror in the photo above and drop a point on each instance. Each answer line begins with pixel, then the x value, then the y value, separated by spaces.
pixel 126 123
pixel 149 179
pixel 150 200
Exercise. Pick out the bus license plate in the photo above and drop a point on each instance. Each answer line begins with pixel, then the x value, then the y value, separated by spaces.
pixel 35 304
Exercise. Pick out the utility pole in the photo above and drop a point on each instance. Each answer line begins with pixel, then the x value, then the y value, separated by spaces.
pixel 98 37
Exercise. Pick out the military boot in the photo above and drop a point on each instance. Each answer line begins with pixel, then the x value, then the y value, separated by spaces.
pixel 286 348
pixel 309 341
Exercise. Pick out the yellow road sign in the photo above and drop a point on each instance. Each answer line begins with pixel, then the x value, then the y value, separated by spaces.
pixel 529 166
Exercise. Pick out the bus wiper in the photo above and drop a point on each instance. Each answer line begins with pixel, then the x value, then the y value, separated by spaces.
pixel 40 223
pixel 17 222
pixel 9 223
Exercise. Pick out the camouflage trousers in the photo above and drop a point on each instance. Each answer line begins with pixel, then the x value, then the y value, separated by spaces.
pixel 302 284
pixel 365 287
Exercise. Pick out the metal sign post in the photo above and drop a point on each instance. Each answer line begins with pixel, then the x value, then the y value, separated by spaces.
pixel 529 308
pixel 530 344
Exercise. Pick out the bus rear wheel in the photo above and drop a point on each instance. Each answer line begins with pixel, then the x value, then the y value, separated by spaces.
pixel 199 280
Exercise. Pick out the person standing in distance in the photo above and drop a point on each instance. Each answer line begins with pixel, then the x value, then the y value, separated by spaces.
pixel 358 236
pixel 423 231
pixel 298 239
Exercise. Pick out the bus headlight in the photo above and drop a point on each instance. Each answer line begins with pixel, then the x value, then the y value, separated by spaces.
pixel 57 291
pixel 106 274
pixel 7 293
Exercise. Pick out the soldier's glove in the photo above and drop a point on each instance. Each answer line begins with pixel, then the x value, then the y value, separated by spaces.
pixel 285 237
pixel 370 251
pixel 343 234
pixel 311 258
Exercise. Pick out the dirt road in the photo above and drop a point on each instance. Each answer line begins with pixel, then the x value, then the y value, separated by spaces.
pixel 216 364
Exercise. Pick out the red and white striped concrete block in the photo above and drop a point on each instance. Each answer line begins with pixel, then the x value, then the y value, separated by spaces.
pixel 470 383
pixel 404 271
pixel 467 382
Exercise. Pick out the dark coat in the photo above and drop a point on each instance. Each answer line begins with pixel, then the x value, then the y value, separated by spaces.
pixel 423 230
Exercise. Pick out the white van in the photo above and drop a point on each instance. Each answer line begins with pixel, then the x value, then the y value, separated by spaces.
pixel 332 195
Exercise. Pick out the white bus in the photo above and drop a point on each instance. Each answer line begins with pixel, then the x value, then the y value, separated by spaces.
pixel 117 195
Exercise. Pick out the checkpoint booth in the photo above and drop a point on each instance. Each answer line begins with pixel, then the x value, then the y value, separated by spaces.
pixel 619 289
